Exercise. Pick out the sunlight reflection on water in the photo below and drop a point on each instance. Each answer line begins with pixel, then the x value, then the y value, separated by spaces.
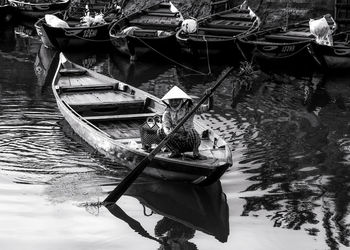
pixel 287 188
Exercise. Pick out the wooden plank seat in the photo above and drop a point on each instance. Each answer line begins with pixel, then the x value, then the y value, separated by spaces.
pixel 155 21
pixel 87 88
pixel 236 16
pixel 226 24
pixel 282 37
pixel 94 105
pixel 145 33
pixel 158 13
pixel 104 101
pixel 72 72
pixel 119 117
pixel 213 31
pixel 218 2
pixel 202 36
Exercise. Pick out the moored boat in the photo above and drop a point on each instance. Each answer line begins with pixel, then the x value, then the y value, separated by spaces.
pixel 75 34
pixel 37 9
pixel 185 208
pixel 152 29
pixel 279 46
pixel 288 46
pixel 217 33
pixel 108 114
pixel 335 56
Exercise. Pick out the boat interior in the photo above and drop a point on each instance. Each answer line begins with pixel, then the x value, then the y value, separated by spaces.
pixel 150 21
pixel 224 25
pixel 118 110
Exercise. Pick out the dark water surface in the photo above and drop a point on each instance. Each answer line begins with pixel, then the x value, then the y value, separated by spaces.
pixel 288 187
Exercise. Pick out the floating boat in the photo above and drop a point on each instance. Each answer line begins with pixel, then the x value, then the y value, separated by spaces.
pixel 182 206
pixel 279 46
pixel 37 9
pixel 108 114
pixel 149 30
pixel 76 35
pixel 216 34
pixel 336 56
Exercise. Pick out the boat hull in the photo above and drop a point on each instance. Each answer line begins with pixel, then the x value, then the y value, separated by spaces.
pixel 216 35
pixel 73 38
pixel 148 32
pixel 278 55
pixel 332 57
pixel 39 10
pixel 179 169
pixel 162 169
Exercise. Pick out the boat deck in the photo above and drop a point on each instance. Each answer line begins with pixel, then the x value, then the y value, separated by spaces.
pixel 119 113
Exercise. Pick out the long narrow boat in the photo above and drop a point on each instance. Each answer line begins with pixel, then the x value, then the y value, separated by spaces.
pixel 182 206
pixel 217 33
pixel 107 114
pixel 152 29
pixel 76 36
pixel 336 56
pixel 38 9
pixel 279 46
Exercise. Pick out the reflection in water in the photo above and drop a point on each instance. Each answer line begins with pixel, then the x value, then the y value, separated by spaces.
pixel 290 136
pixel 292 145
pixel 42 65
pixel 185 208
pixel 137 72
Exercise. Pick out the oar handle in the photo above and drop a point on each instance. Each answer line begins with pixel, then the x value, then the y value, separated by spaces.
pixel 129 179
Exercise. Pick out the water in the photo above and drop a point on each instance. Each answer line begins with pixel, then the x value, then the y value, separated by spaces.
pixel 288 187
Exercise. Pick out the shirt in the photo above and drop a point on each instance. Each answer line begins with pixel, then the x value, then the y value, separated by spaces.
pixel 171 117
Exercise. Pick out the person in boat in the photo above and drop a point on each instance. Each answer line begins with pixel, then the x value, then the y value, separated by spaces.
pixel 186 139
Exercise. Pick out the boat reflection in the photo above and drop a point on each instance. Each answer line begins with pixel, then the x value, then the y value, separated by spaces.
pixel 136 73
pixel 95 60
pixel 185 208
pixel 42 64
pixel 26 28
pixel 7 39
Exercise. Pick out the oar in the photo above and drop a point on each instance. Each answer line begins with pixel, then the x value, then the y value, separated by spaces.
pixel 130 178
pixel 134 224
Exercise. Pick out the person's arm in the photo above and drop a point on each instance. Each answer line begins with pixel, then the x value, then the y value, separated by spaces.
pixel 166 122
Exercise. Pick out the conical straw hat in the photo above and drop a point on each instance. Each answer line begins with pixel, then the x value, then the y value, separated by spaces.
pixel 176 93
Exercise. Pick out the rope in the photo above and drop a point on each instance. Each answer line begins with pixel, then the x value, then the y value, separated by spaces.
pixel 207 47
pixel 172 60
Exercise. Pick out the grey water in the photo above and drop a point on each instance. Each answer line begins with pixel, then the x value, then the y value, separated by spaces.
pixel 288 187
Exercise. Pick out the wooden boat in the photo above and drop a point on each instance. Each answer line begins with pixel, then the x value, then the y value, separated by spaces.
pixel 335 57
pixel 37 9
pixel 108 114
pixel 216 34
pixel 7 12
pixel 77 36
pixel 183 206
pixel 150 30
pixel 279 46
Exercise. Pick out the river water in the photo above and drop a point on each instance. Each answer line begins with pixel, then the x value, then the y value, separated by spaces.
pixel 287 189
